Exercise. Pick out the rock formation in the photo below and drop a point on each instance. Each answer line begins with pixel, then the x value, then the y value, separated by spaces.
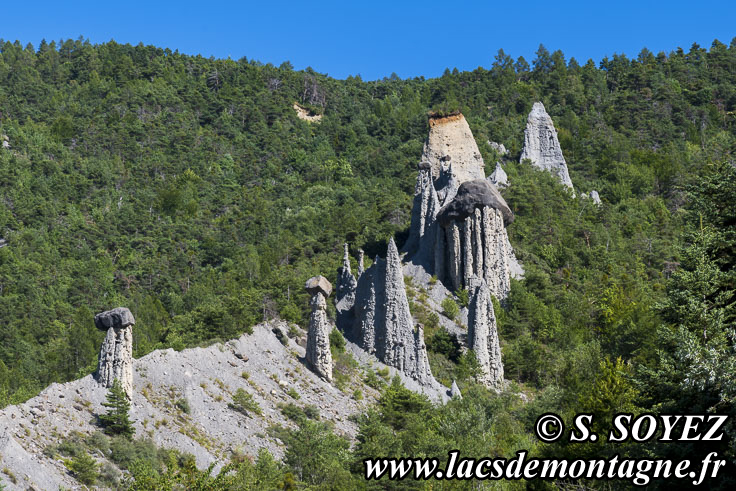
pixel 499 148
pixel 383 323
pixel 318 355
pixel 595 197
pixel 473 240
pixel 452 191
pixel 451 154
pixel 4 142
pixel 361 267
pixel 541 145
pixel 455 391
pixel 345 290
pixel 483 336
pixel 498 177
pixel 116 353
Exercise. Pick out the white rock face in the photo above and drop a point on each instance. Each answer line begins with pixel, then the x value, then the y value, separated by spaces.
pixel 498 177
pixel 455 391
pixel 318 353
pixel 541 145
pixel 449 152
pixel 483 335
pixel 595 197
pixel 116 353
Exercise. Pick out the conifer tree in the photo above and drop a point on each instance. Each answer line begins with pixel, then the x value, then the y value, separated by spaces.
pixel 117 421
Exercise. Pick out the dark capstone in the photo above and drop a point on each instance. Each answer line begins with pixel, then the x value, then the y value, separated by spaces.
pixel 117 318
pixel 424 165
pixel 471 195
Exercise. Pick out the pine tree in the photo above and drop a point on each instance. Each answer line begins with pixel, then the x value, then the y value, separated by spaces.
pixel 117 421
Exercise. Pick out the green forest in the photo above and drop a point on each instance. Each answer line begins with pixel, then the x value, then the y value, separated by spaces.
pixel 187 189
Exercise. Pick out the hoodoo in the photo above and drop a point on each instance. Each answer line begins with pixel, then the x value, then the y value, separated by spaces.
pixel 541 145
pixel 318 355
pixel 459 217
pixel 116 353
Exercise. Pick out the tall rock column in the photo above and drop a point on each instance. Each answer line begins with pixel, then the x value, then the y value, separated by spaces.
pixel 319 357
pixel 483 335
pixel 116 353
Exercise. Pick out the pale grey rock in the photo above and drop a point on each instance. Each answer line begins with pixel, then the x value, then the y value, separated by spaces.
pixel 345 292
pixel 384 325
pixel 455 391
pixel 499 148
pixel 541 145
pixel 595 197
pixel 318 355
pixel 5 142
pixel 450 142
pixel 318 284
pixel 498 177
pixel 116 352
pixel 483 335
pixel 361 266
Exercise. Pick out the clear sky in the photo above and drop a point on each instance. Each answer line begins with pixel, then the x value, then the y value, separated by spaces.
pixel 376 38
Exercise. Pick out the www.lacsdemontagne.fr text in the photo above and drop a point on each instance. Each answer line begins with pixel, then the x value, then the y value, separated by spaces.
pixel 638 471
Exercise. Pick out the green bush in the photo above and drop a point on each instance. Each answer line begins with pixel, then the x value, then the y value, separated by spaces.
pixel 244 403
pixel 337 341
pixel 84 468
pixel 450 308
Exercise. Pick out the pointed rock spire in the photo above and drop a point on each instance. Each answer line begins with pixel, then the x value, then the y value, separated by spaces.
pixel 483 336
pixel 361 268
pixel 498 177
pixel 383 321
pixel 541 145
pixel 455 391
pixel 345 293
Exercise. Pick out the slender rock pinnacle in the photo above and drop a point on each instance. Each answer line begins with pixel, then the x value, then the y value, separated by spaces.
pixel 319 357
pixel 116 352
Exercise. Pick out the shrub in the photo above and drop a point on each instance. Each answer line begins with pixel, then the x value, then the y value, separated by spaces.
pixel 84 468
pixel 184 406
pixel 463 297
pixel 244 403
pixel 450 308
pixel 337 341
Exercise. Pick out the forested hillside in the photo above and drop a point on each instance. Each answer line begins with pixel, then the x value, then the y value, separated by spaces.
pixel 188 190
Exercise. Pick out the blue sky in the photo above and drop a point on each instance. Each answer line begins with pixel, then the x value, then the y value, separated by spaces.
pixel 376 38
